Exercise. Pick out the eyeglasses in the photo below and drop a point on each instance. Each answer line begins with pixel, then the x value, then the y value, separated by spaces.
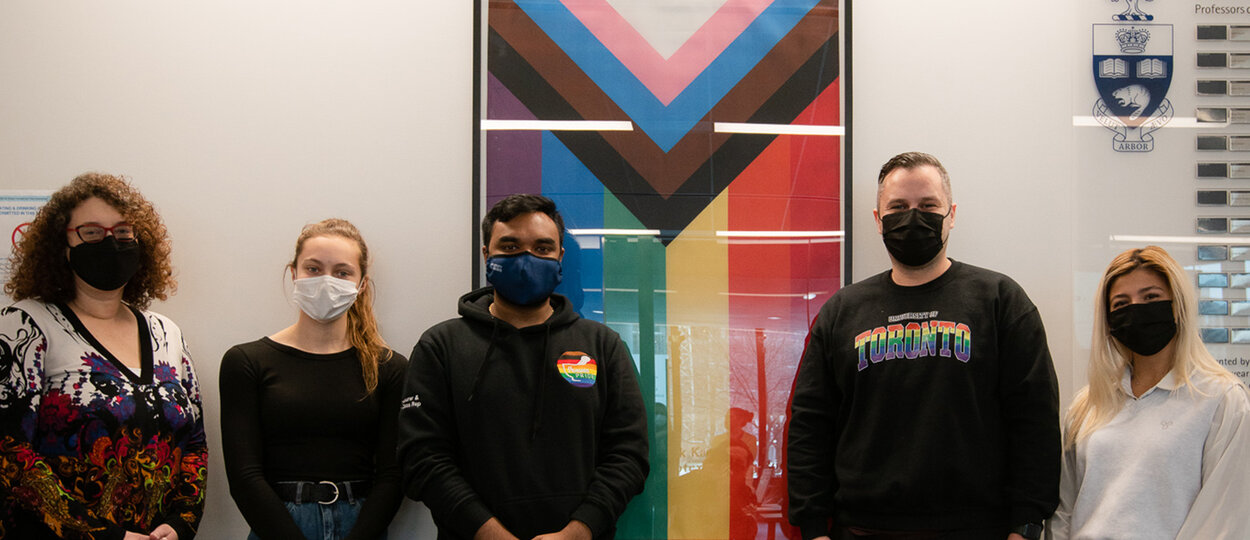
pixel 94 232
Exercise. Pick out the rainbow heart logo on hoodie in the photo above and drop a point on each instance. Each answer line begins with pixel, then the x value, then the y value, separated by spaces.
pixel 578 368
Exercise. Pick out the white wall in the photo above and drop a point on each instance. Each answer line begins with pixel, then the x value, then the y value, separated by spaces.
pixel 244 120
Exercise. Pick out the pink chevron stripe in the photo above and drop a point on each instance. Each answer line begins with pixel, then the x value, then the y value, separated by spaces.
pixel 666 78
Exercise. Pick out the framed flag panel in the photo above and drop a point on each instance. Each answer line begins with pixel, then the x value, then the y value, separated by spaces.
pixel 696 151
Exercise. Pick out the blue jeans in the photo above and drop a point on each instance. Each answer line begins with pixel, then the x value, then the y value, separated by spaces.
pixel 324 521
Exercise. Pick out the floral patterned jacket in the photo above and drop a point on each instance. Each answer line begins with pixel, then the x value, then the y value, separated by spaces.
pixel 88 447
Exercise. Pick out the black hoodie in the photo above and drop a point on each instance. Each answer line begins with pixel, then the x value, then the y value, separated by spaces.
pixel 534 426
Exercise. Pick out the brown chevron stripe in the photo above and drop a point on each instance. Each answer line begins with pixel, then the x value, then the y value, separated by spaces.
pixel 665 172
pixel 669 214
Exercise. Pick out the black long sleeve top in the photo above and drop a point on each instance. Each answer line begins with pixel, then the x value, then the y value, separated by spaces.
pixel 289 415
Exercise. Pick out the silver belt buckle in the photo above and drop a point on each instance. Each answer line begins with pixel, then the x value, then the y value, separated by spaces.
pixel 336 492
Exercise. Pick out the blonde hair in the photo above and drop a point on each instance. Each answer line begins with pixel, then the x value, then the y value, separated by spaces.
pixel 362 326
pixel 1101 400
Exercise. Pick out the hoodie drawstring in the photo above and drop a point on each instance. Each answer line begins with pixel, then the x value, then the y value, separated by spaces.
pixel 542 384
pixel 481 370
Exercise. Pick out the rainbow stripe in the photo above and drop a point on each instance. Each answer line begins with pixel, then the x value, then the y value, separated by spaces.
pixel 712 321
pixel 578 369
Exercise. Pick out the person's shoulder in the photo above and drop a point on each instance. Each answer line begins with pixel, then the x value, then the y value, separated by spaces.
pixel 24 314
pixel 30 307
pixel 21 307
pixel 981 273
pixel 1231 393
pixel 43 317
pixel 869 285
pixel 859 291
pixel 394 361
pixel 985 280
pixel 246 352
pixel 453 328
pixel 1227 387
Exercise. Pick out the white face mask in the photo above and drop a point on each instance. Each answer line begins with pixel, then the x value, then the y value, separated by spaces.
pixel 324 298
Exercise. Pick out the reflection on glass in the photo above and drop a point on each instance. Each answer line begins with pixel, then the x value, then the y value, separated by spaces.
pixel 1212 60
pixel 1213 307
pixel 1212 225
pixel 1213 280
pixel 1212 170
pixel 1212 253
pixel 1239 88
pixel 1239 60
pixel 1212 197
pixel 1215 335
pixel 1212 142
pixel 1212 32
pixel 1239 335
pixel 1215 115
pixel 1212 87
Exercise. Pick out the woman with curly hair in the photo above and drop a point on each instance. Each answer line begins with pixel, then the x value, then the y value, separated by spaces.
pixel 309 413
pixel 101 428
pixel 1156 445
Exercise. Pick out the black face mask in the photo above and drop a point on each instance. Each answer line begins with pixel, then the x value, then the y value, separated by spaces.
pixel 106 265
pixel 1144 328
pixel 913 237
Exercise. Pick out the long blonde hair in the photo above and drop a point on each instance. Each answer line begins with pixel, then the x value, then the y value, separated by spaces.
pixel 1101 400
pixel 362 326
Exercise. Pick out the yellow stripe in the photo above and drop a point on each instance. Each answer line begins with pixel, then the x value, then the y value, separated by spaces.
pixel 698 317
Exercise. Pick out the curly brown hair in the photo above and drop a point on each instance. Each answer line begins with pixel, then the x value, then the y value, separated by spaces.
pixel 41 269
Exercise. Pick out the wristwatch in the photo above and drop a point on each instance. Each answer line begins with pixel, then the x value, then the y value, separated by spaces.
pixel 1031 531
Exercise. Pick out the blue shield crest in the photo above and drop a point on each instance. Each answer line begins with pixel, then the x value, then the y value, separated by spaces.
pixel 1132 71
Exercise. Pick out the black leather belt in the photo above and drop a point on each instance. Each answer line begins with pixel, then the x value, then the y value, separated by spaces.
pixel 324 492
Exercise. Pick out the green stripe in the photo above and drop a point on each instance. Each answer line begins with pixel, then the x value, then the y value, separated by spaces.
pixel 634 269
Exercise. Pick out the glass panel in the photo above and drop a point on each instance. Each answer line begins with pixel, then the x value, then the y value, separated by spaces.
pixel 1212 142
pixel 1213 280
pixel 1212 253
pixel 1215 335
pixel 707 245
pixel 1212 197
pixel 1212 87
pixel 1212 32
pixel 1213 307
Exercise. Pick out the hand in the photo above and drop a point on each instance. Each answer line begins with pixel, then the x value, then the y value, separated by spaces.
pixel 575 530
pixel 136 536
pixel 164 532
pixel 1014 536
pixel 493 530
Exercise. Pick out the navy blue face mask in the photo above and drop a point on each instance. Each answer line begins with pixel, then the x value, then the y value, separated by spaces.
pixel 523 279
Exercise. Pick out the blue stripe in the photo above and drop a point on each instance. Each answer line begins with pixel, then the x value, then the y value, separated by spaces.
pixel 579 198
pixel 666 125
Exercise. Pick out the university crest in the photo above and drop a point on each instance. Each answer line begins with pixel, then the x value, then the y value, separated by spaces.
pixel 1132 71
